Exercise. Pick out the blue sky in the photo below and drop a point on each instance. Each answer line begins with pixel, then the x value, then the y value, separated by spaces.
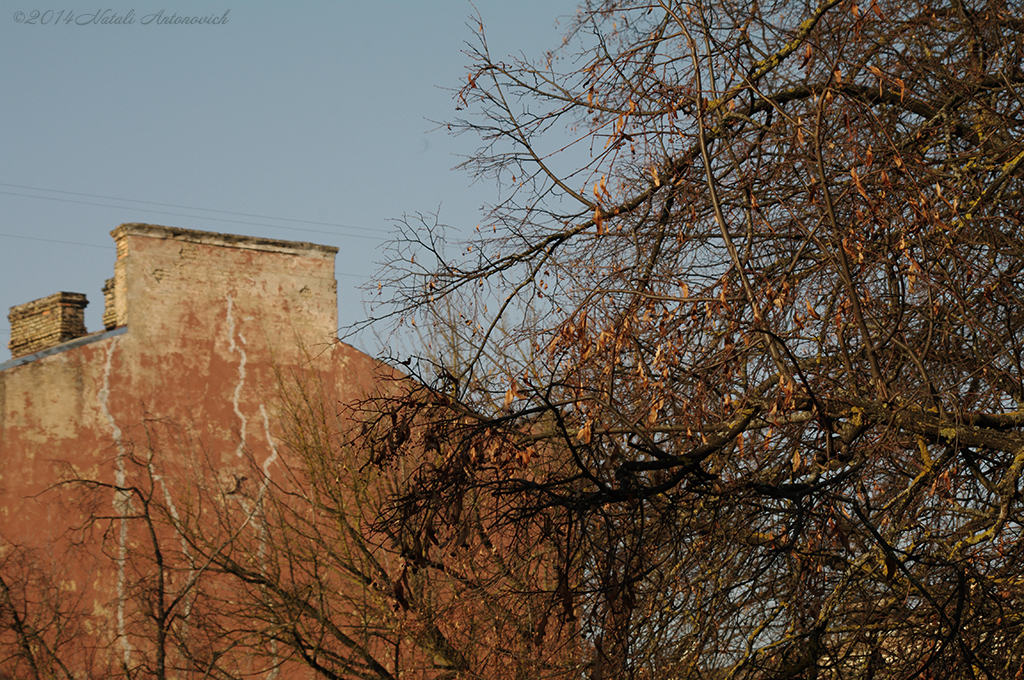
pixel 305 121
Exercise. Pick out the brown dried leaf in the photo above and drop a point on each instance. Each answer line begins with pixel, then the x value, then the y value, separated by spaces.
pixel 584 433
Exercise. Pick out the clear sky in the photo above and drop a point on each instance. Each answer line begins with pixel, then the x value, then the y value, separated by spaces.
pixel 307 121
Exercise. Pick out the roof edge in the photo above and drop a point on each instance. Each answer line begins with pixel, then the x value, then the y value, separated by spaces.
pixel 63 347
pixel 223 240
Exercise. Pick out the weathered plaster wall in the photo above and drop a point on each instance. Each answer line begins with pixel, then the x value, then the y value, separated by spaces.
pixel 198 323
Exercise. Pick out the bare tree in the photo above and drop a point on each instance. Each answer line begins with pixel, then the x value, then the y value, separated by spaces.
pixel 309 571
pixel 40 623
pixel 751 305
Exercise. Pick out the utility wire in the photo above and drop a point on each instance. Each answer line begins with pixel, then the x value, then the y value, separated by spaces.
pixel 200 217
pixel 189 207
pixel 53 240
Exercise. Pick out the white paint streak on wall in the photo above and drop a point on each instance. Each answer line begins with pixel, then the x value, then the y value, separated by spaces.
pixel 173 509
pixel 241 374
pixel 273 447
pixel 122 502
pixel 255 512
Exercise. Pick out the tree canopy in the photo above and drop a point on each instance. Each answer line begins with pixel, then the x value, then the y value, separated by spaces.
pixel 744 331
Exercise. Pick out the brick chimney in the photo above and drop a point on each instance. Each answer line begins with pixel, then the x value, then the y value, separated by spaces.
pixel 115 290
pixel 46 322
pixel 110 299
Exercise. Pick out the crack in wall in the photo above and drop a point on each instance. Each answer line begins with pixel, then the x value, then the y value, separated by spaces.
pixel 122 502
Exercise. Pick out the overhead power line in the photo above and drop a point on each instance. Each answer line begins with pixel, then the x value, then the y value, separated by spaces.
pixel 185 207
pixel 53 240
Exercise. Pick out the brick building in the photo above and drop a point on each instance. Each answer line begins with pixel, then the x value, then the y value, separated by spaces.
pixel 198 328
